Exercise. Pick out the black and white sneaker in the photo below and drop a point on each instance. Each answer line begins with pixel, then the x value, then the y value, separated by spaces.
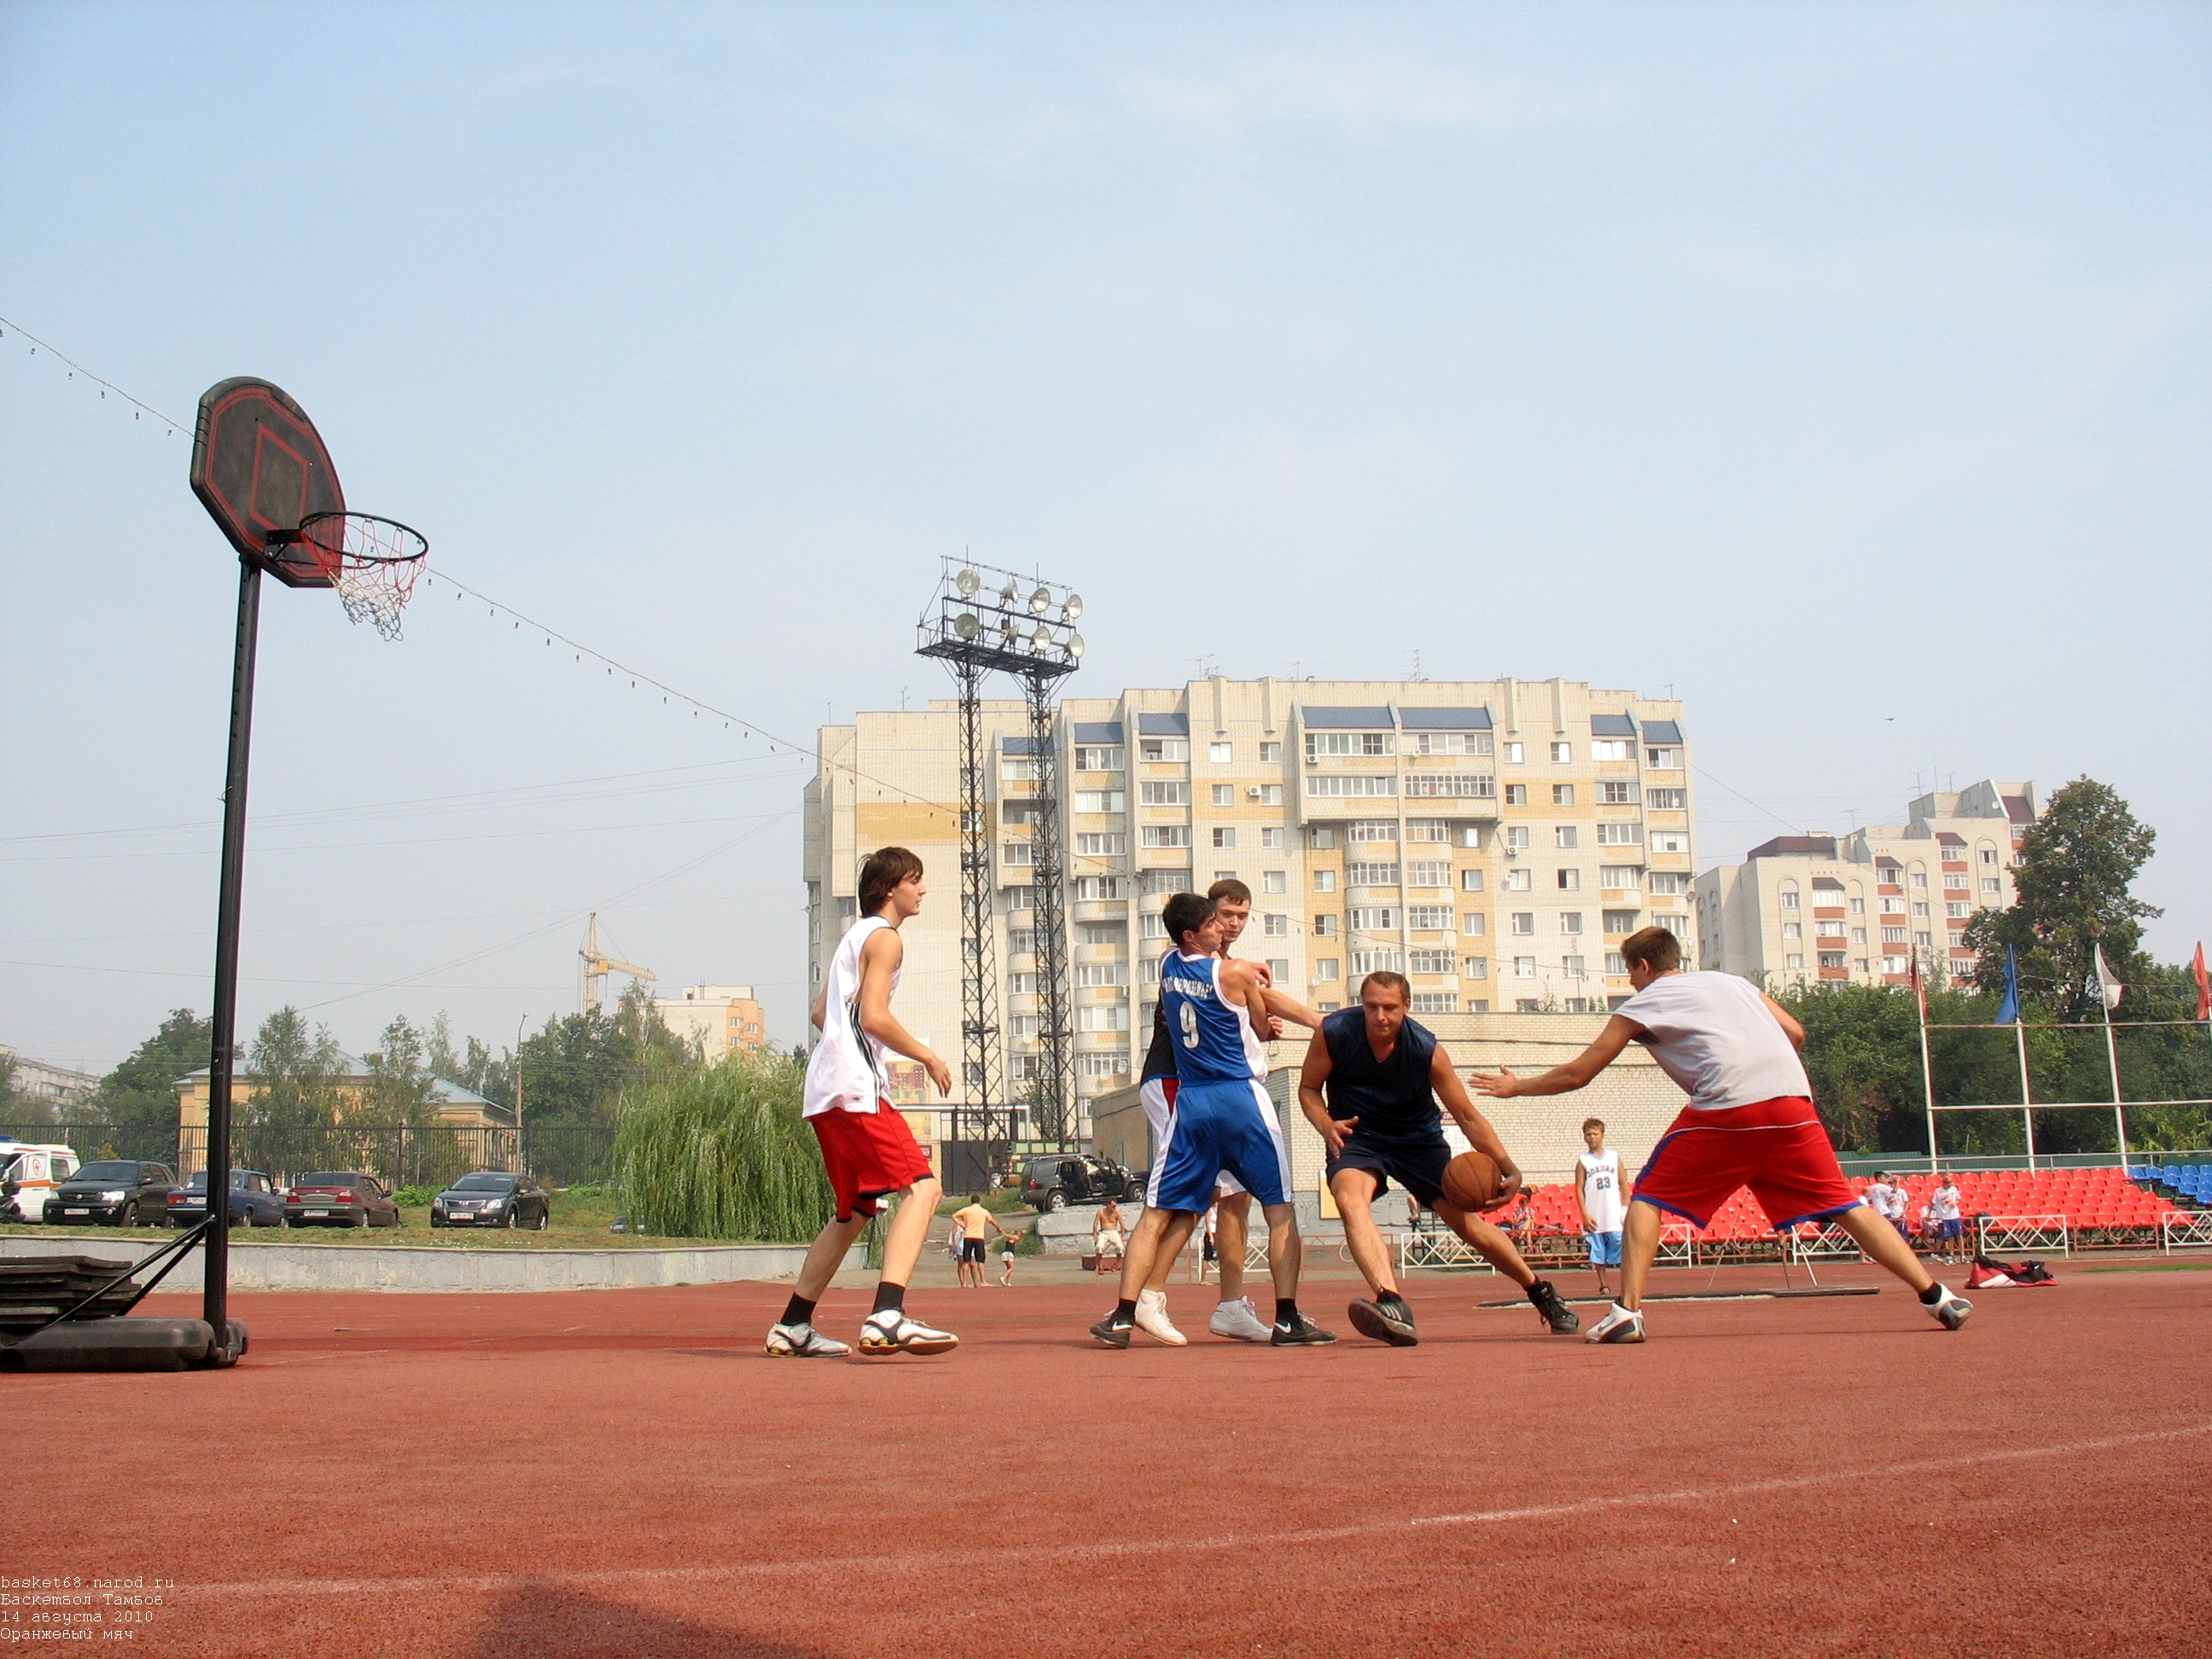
pixel 1619 1325
pixel 803 1341
pixel 1299 1332
pixel 1950 1309
pixel 1555 1313
pixel 1390 1322
pixel 1114 1334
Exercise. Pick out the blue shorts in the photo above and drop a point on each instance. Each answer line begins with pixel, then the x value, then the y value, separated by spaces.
pixel 1604 1249
pixel 1949 1229
pixel 1216 1127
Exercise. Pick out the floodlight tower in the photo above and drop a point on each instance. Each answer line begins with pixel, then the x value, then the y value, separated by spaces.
pixel 979 621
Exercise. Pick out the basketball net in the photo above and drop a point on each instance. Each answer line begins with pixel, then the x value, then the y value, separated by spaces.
pixel 372 562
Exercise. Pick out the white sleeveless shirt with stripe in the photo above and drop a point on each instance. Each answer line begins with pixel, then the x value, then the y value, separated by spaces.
pixel 844 1074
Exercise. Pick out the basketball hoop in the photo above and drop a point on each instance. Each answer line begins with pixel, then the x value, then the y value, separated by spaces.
pixel 372 562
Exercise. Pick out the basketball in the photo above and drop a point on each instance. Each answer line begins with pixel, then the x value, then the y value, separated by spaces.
pixel 1471 1182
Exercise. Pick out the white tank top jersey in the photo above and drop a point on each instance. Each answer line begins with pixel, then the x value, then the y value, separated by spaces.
pixel 1714 1034
pixel 1601 1190
pixel 846 1072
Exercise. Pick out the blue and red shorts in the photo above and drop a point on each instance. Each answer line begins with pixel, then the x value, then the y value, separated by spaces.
pixel 869 1155
pixel 1777 1148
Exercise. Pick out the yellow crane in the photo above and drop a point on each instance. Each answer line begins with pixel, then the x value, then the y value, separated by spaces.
pixel 598 965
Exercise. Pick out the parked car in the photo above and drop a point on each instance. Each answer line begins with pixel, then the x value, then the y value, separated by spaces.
pixel 254 1202
pixel 339 1198
pixel 115 1192
pixel 493 1198
pixel 1056 1180
pixel 28 1172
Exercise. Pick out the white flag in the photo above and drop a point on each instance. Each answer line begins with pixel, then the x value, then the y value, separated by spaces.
pixel 2110 987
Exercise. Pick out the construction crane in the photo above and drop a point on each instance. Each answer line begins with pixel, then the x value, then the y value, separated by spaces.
pixel 598 965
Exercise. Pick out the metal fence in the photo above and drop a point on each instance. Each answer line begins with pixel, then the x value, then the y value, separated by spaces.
pixel 400 1155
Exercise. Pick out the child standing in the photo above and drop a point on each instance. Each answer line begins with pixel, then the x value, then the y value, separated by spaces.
pixel 1598 1189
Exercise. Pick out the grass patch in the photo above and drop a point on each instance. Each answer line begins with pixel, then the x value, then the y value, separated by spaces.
pixel 2147 1268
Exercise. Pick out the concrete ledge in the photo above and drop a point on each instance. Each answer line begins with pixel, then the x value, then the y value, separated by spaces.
pixel 257 1267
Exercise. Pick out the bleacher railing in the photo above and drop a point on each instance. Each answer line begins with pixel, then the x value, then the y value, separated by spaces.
pixel 2185 1230
pixel 2012 1234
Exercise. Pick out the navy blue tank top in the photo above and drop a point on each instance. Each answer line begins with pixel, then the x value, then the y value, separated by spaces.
pixel 1390 1098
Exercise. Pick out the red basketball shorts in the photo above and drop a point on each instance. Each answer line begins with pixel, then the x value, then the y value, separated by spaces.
pixel 867 1154
pixel 1776 1147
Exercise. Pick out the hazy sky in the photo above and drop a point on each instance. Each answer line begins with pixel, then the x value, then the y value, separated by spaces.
pixel 1844 367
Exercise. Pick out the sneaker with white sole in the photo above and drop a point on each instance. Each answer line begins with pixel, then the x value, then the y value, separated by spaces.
pixel 1113 1332
pixel 1949 1309
pixel 1299 1332
pixel 1390 1322
pixel 1239 1321
pixel 895 1331
pixel 1152 1319
pixel 803 1341
pixel 1619 1325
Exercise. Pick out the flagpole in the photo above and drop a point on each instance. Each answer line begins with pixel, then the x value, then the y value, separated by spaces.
pixel 1927 1070
pixel 2112 1060
pixel 2026 1101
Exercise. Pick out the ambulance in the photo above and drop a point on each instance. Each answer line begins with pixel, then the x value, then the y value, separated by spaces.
pixel 29 1172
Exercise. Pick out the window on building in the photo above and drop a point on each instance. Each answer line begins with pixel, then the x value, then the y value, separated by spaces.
pixel 1858 936
pixel 1562 753
pixel 1430 918
pixel 1102 846
pixel 1112 1016
pixel 1615 963
pixel 1618 878
pixel 1164 749
pixel 1620 921
pixel 1524 967
pixel 1100 887
pixel 1151 926
pixel 1520 881
pixel 1101 1064
pixel 1153 883
pixel 1428 829
pixel 1271 838
pixel 1668 800
pixel 1020 854
pixel 1164 794
pixel 1102 973
pixel 1371 875
pixel 1892 936
pixel 1225 875
pixel 1275 881
pixel 1325 969
pixel 1957 907
pixel 1918 877
pixel 1466 835
pixel 1666 760
pixel 1375 830
pixel 1453 742
pixel 1470 881
pixel 1793 930
pixel 1224 838
pixel 1795 959
pixel 1670 840
pixel 1324 925
pixel 1516 835
pixel 1271 754
pixel 1434 1002
pixel 1374 918
pixel 1267 794
pixel 1378 961
pixel 1572 967
pixel 1224 794
pixel 1989 853
pixel 1513 754
pixel 1617 793
pixel 1524 922
pixel 1473 923
pixel 1517 794
pixel 1662 881
pixel 1919 907
pixel 1021 985
pixel 1165 835
pixel 1790 898
pixel 1831 929
pixel 1099 758
pixel 1992 886
pixel 1096 800
pixel 1893 907
pixel 1428 872
pixel 1566 834
pixel 1430 962
pixel 1926 941
pixel 1275 927
pixel 1324 881
pixel 1219 753
pixel 1610 749
pixel 1569 881
pixel 1571 921
pixel 1858 906
pixel 1832 958
pixel 1563 794
pixel 1018 769
pixel 1349 787
pixel 1279 969
pixel 1474 967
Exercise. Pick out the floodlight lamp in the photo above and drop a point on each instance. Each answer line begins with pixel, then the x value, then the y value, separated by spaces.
pixel 1040 601
pixel 1073 608
pixel 1075 647
pixel 1009 595
pixel 1042 638
pixel 966 626
pixel 967 581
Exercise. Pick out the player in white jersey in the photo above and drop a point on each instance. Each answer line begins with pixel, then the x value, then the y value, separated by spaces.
pixel 868 1150
pixel 1222 1120
pixel 1234 1317
pixel 1602 1193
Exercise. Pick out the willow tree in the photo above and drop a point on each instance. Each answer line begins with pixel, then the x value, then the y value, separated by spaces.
pixel 720 1152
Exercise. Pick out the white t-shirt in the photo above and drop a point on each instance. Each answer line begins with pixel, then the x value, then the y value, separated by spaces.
pixel 844 1074
pixel 1878 1195
pixel 1900 1201
pixel 1945 1203
pixel 1601 1190
pixel 1714 1034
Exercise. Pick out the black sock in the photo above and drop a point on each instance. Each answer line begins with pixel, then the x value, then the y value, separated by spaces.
pixel 1931 1296
pixel 1125 1313
pixel 1286 1309
pixel 889 1295
pixel 798 1311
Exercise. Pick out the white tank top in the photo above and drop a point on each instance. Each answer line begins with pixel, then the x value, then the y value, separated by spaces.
pixel 846 1072
pixel 1601 1189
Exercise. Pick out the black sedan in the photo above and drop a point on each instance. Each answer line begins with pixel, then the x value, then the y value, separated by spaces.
pixel 113 1191
pixel 254 1202
pixel 493 1198
pixel 339 1198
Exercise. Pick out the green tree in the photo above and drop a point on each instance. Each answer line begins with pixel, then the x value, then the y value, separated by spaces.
pixel 401 1088
pixel 572 1072
pixel 15 1107
pixel 720 1152
pixel 142 1091
pixel 296 1073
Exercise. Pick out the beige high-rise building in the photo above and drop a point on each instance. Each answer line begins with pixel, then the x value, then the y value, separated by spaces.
pixel 721 1018
pixel 1859 908
pixel 1493 840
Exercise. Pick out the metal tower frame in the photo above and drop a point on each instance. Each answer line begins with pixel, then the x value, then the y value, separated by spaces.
pixel 1056 1098
pixel 979 978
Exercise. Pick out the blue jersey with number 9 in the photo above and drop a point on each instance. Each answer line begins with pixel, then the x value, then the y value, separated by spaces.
pixel 1214 1042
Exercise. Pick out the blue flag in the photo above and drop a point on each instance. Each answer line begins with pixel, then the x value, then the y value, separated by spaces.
pixel 2008 1009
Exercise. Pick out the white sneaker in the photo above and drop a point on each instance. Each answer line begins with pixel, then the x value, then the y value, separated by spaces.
pixel 803 1341
pixel 1619 1325
pixel 1152 1318
pixel 1949 1311
pixel 895 1331
pixel 1240 1320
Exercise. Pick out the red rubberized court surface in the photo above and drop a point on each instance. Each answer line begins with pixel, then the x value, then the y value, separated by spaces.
pixel 625 1473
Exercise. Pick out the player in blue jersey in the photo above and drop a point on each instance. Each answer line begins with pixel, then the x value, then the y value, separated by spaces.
pixel 1223 1119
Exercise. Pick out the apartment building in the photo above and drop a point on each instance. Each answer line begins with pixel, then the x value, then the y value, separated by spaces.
pixel 720 1019
pixel 1860 908
pixel 1493 840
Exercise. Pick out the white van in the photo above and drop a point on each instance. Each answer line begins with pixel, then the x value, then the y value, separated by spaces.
pixel 29 1171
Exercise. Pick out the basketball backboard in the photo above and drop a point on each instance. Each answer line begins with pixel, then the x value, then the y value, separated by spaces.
pixel 259 465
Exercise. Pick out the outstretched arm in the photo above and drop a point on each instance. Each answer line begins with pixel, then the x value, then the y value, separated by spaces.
pixel 1501 1085
pixel 879 959
pixel 1475 1127
pixel 1284 1006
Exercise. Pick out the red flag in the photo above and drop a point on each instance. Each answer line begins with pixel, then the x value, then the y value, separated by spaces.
pixel 1919 988
pixel 2203 985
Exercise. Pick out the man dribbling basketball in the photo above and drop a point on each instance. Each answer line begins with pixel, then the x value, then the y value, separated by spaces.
pixel 1370 1084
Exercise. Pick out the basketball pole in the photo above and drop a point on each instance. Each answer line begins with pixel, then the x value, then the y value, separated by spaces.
pixel 222 1060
